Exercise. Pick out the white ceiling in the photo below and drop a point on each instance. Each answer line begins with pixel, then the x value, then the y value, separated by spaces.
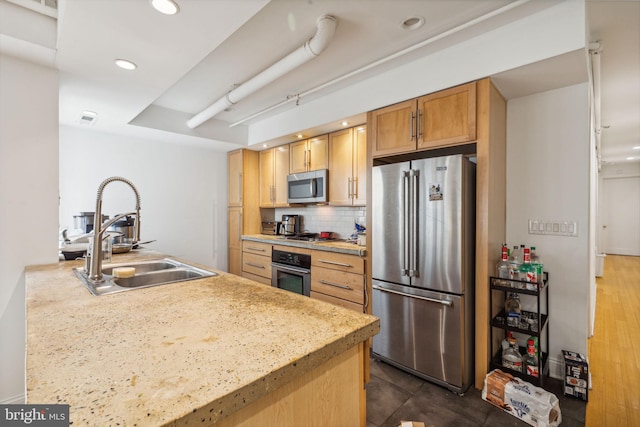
pixel 188 61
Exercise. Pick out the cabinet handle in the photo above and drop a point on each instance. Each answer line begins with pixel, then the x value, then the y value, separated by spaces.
pixel 307 159
pixel 335 263
pixel 256 265
pixel 324 282
pixel 349 188
pixel 355 187
pixel 239 226
pixel 240 186
pixel 419 124
pixel 271 193
pixel 255 249
pixel 412 124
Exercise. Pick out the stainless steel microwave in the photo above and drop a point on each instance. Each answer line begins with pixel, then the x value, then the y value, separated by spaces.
pixel 308 187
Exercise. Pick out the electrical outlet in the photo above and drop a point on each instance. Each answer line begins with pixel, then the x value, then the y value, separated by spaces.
pixel 553 227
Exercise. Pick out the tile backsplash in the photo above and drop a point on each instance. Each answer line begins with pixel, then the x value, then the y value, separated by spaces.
pixel 316 218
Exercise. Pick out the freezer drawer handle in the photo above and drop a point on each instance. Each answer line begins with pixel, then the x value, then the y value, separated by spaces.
pixel 447 303
pixel 335 263
pixel 255 249
pixel 324 282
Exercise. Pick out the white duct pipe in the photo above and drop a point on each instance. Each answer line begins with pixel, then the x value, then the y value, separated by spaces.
pixel 326 27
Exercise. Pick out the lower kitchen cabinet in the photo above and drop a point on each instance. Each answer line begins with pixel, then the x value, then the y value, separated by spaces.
pixel 339 279
pixel 256 261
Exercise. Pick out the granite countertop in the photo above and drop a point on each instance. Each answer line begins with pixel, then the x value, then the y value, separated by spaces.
pixel 178 353
pixel 340 246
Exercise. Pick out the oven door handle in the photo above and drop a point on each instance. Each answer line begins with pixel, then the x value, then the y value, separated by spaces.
pixel 290 268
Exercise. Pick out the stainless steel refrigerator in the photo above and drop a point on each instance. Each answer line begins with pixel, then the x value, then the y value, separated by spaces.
pixel 423 246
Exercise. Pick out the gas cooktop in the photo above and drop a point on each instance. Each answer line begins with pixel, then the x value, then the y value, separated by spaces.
pixel 310 237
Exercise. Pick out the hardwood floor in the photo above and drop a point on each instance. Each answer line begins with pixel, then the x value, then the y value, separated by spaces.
pixel 614 349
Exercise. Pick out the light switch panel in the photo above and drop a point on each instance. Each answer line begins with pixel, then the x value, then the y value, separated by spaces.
pixel 553 227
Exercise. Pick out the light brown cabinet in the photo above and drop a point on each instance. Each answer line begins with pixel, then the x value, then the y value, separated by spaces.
pixel 309 155
pixel 243 212
pixel 348 167
pixel 274 168
pixel 256 261
pixel 436 120
pixel 339 279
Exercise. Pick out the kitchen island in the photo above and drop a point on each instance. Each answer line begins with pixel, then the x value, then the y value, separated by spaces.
pixel 221 350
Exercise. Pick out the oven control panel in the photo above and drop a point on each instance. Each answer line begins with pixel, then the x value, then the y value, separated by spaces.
pixel 291 258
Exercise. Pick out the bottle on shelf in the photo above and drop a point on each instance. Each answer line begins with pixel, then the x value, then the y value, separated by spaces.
pixel 511 357
pixel 515 260
pixel 512 309
pixel 531 358
pixel 502 268
pixel 528 272
pixel 537 263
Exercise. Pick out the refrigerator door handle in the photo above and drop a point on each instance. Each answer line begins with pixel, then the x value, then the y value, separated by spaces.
pixel 405 223
pixel 443 302
pixel 412 237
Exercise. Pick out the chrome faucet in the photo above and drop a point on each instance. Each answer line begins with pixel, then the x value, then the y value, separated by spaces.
pixel 93 265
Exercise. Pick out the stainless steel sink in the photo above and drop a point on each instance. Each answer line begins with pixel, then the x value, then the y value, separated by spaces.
pixel 143 267
pixel 148 273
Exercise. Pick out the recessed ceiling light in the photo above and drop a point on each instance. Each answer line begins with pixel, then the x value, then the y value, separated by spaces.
pixel 125 64
pixel 345 123
pixel 631 158
pixel 299 136
pixel 265 145
pixel 413 23
pixel 636 147
pixel 168 7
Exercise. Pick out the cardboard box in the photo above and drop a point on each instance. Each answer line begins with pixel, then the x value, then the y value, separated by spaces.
pixel 576 378
pixel 531 404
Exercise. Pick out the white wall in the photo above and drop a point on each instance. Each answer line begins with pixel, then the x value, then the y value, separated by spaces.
pixel 28 201
pixel 183 190
pixel 548 167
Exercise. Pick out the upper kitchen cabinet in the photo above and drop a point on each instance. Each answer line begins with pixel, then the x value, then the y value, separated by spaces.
pixel 274 168
pixel 392 129
pixel 309 155
pixel 243 211
pixel 447 117
pixel 436 120
pixel 348 167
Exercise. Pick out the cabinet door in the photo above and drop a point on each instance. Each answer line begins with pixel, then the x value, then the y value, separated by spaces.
pixel 235 243
pixel 359 189
pixel 235 228
pixel 318 157
pixel 234 164
pixel 393 129
pixel 266 178
pixel 340 167
pixel 280 173
pixel 447 117
pixel 298 157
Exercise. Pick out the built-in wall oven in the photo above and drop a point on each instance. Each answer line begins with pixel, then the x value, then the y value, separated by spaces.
pixel 291 271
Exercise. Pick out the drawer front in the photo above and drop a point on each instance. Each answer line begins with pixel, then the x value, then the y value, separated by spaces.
pixel 337 301
pixel 256 264
pixel 259 279
pixel 338 261
pixel 347 286
pixel 257 248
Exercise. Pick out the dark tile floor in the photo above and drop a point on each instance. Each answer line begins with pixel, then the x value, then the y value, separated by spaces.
pixel 394 396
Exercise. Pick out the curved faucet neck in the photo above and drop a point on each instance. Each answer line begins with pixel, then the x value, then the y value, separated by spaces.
pixel 95 260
